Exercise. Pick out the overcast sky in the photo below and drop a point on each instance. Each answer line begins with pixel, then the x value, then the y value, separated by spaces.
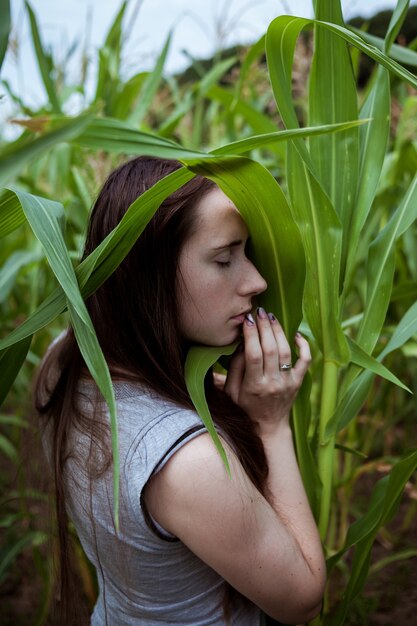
pixel 199 27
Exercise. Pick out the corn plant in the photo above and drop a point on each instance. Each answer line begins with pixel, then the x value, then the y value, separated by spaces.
pixel 309 243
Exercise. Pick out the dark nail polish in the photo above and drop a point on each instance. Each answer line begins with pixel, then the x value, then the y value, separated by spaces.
pixel 249 319
pixel 272 318
pixel 260 312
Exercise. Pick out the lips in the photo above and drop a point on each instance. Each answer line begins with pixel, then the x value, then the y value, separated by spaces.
pixel 241 316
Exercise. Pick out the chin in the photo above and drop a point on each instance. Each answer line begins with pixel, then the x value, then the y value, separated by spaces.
pixel 224 340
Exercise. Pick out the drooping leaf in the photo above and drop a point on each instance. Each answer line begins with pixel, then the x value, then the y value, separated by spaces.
pixel 100 264
pixel 283 32
pixel 198 362
pixel 11 214
pixel 259 141
pixel 42 217
pixel 401 54
pixel 17 154
pixel 275 240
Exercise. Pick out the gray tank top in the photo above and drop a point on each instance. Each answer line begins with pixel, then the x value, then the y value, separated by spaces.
pixel 146 576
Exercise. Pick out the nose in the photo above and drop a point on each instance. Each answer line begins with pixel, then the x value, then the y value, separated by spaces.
pixel 252 282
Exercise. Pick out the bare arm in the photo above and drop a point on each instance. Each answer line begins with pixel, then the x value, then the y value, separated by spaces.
pixel 268 549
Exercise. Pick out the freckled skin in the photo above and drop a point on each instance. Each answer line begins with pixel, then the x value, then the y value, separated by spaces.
pixel 216 279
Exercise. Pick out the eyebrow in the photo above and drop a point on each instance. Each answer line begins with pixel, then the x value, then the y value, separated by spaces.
pixel 231 244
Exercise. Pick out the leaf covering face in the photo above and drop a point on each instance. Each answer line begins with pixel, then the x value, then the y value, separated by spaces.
pixel 217 281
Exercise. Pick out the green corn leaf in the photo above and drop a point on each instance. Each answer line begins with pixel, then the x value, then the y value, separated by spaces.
pixel 11 360
pixel 348 450
pixel 11 213
pixel 275 240
pixel 259 141
pixel 384 504
pixel 81 188
pixel 44 62
pixel 301 415
pixel 5 26
pixel 150 86
pixel 373 145
pixel 282 34
pixel 397 19
pixel 182 108
pixel 11 549
pixel 100 264
pixel 277 253
pixel 10 270
pixel 238 107
pixel 333 99
pixel 113 39
pixel 42 217
pixel 198 362
pixel 214 75
pixel 17 154
pixel 259 122
pixel 402 55
pixel 255 51
pixel 320 230
pixel 374 138
pixel 117 136
pixel 406 328
pixel 128 95
pixel 354 398
pixel 45 313
pixel 94 359
pixel 364 360
pixel 109 63
pixel 380 269
pixel 13 420
pixel 401 555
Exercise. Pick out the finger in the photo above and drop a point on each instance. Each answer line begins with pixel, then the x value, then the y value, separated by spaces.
pixel 304 359
pixel 219 380
pixel 235 375
pixel 269 343
pixel 284 350
pixel 253 348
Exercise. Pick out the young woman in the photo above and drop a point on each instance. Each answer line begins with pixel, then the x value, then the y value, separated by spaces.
pixel 195 547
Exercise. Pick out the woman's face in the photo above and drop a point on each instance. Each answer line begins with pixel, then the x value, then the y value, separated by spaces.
pixel 217 282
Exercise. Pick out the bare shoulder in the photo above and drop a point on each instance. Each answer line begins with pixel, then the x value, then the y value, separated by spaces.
pixel 195 473
pixel 229 525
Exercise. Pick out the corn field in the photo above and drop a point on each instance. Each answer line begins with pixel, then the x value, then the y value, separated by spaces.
pixel 325 176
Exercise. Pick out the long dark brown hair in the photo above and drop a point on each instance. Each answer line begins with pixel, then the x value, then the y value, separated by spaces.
pixel 135 315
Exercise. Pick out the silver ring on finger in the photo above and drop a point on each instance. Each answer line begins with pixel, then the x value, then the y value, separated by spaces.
pixel 285 367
